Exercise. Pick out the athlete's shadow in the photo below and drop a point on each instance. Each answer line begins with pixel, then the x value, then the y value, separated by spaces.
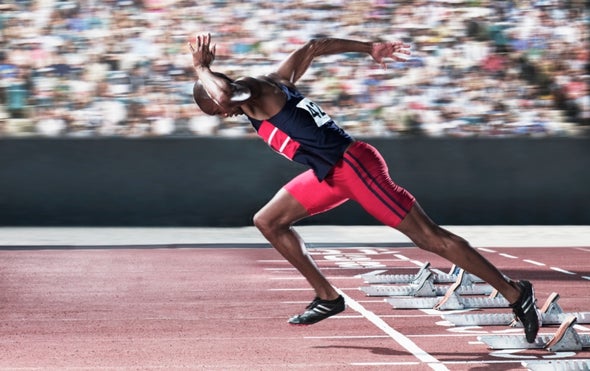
pixel 376 350
pixel 474 357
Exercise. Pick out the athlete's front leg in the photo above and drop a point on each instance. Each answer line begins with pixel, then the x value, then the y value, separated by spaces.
pixel 275 221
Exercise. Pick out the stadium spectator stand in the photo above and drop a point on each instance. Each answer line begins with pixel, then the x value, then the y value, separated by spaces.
pixel 121 67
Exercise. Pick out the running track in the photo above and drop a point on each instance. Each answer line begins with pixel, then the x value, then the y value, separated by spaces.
pixel 224 307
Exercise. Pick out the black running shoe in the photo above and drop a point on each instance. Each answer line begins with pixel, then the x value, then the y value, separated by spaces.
pixel 525 310
pixel 318 310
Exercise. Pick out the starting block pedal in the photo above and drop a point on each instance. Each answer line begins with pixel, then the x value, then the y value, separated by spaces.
pixel 425 288
pixel 398 278
pixel 551 314
pixel 452 300
pixel 565 339
pixel 558 365
pixel 438 276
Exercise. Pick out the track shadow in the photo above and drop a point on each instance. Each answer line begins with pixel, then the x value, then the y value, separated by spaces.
pixel 479 361
pixel 375 350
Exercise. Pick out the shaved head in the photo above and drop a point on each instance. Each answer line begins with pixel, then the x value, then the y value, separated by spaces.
pixel 202 98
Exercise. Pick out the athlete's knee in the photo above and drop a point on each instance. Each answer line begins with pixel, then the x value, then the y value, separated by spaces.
pixel 268 224
pixel 260 221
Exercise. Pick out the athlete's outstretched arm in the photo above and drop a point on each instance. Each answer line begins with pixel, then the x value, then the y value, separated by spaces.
pixel 298 62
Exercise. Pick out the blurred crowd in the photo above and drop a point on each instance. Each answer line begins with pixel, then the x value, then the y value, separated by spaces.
pixel 122 67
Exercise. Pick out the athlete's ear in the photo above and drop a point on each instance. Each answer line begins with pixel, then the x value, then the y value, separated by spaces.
pixel 240 93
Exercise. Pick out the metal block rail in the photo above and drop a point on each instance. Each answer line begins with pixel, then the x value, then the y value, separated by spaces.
pixel 451 301
pixel 565 339
pixel 425 287
pixel 551 314
pixel 438 276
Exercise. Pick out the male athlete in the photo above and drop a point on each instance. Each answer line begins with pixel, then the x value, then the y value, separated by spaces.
pixel 341 168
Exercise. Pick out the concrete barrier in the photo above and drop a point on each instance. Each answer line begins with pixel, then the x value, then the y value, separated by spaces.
pixel 222 181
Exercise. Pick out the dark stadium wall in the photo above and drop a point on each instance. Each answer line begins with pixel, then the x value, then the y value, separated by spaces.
pixel 222 182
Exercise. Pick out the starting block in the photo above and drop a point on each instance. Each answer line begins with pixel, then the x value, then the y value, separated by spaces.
pixel 558 365
pixel 551 314
pixel 452 300
pixel 437 277
pixel 565 339
pixel 425 288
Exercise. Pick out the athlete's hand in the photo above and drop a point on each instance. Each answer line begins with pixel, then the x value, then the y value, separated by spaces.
pixel 396 50
pixel 203 54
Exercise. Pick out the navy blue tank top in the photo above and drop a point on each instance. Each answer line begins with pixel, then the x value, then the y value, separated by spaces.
pixel 304 133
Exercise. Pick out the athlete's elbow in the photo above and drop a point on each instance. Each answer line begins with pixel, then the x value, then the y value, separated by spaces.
pixel 315 47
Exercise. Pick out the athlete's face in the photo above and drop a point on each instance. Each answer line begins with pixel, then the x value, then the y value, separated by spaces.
pixel 231 112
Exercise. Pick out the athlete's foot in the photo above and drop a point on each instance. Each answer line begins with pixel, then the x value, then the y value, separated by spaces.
pixel 318 310
pixel 525 310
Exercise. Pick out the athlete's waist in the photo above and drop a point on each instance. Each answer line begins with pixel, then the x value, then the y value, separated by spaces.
pixel 352 143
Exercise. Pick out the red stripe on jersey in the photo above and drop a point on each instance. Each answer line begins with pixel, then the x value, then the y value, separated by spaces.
pixel 278 140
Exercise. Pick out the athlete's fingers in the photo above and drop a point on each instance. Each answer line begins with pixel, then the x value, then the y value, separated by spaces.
pixel 208 40
pixel 399 59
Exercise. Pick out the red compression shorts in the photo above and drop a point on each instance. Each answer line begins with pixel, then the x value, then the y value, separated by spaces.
pixel 362 176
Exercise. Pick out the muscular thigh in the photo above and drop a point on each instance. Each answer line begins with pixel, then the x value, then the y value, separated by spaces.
pixel 282 209
pixel 367 180
pixel 315 196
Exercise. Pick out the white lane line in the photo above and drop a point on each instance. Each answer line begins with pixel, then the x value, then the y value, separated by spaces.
pixel 301 278
pixel 372 273
pixel 562 271
pixel 483 363
pixel 279 269
pixel 348 337
pixel 375 364
pixel 534 262
pixel 306 289
pixel 586 278
pixel 273 261
pixel 398 337
pixel 392 316
pixel 508 256
pixel 345 316
pixel 405 258
pixel 324 268
pixel 486 250
pixel 360 260
pixel 582 249
pixel 371 301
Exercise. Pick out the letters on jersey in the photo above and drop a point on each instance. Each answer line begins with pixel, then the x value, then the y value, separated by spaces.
pixel 320 117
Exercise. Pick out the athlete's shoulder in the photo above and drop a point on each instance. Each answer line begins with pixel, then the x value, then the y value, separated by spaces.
pixel 279 80
pixel 256 85
pixel 249 81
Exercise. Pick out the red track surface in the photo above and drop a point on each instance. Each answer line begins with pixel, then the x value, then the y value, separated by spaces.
pixel 226 309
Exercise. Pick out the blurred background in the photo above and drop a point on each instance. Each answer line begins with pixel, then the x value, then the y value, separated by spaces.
pixel 122 67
